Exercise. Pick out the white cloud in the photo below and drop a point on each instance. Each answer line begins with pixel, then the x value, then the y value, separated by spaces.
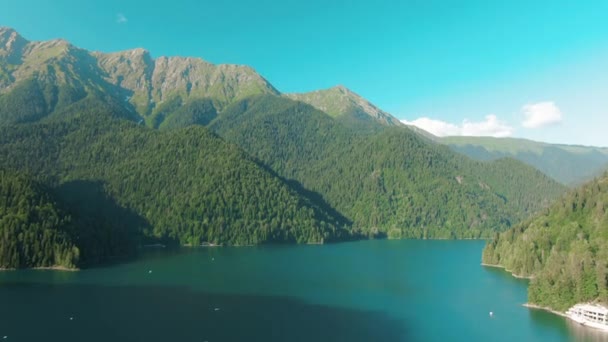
pixel 491 126
pixel 121 19
pixel 541 114
pixel 435 127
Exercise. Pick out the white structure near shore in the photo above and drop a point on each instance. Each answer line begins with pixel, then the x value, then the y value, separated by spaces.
pixel 589 315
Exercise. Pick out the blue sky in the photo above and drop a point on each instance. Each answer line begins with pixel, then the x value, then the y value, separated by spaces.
pixel 534 69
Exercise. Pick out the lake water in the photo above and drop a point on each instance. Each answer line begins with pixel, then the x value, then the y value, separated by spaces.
pixel 360 291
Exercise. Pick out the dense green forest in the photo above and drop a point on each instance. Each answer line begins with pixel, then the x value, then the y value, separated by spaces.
pixel 388 180
pixel 564 249
pixel 33 230
pixel 184 186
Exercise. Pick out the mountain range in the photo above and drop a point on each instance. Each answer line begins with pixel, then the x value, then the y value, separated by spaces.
pixel 153 88
pixel 571 165
pixel 149 85
pixel 174 150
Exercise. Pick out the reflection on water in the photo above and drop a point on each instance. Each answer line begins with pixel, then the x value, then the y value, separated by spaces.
pixel 580 333
pixel 92 313
pixel 361 291
pixel 575 331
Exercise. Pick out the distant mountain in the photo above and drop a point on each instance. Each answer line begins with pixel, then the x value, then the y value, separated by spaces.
pixel 564 249
pixel 568 164
pixel 342 103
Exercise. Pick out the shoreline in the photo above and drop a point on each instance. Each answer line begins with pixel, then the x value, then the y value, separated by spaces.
pixel 42 268
pixel 544 308
pixel 527 305
pixel 508 271
pixel 200 246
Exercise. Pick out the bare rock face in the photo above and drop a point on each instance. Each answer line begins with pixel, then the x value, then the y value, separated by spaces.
pixel 151 82
pixel 133 74
pixel 11 45
pixel 146 83
pixel 130 69
pixel 56 62
pixel 341 101
pixel 196 77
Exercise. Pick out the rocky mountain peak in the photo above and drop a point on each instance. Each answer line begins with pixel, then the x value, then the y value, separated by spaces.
pixel 339 101
pixel 11 43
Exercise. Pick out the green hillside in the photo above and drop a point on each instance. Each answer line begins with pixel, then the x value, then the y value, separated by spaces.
pixel 391 181
pixel 184 186
pixel 564 249
pixel 33 230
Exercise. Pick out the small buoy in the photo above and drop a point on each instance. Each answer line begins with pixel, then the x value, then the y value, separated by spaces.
pixel 150 271
pixel 491 314
pixel 71 318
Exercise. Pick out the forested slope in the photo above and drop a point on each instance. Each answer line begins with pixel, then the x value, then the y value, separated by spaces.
pixel 564 249
pixel 568 164
pixel 33 230
pixel 185 185
pixel 389 180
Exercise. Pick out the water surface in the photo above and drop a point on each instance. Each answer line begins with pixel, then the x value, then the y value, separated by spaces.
pixel 360 291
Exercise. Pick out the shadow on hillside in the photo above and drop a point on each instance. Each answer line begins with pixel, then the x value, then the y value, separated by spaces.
pixel 319 202
pixel 102 229
pixel 314 198
pixel 155 313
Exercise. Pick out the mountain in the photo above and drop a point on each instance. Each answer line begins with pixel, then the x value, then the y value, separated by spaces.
pixel 340 102
pixel 564 249
pixel 568 164
pixel 149 83
pixel 390 181
pixel 56 74
pixel 173 150
pixel 182 186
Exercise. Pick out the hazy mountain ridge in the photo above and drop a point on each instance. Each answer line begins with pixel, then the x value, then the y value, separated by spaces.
pixel 568 164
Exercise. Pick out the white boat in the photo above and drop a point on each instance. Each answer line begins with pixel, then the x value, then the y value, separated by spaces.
pixel 589 315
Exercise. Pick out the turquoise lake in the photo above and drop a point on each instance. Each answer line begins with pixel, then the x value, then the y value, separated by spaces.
pixel 379 290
